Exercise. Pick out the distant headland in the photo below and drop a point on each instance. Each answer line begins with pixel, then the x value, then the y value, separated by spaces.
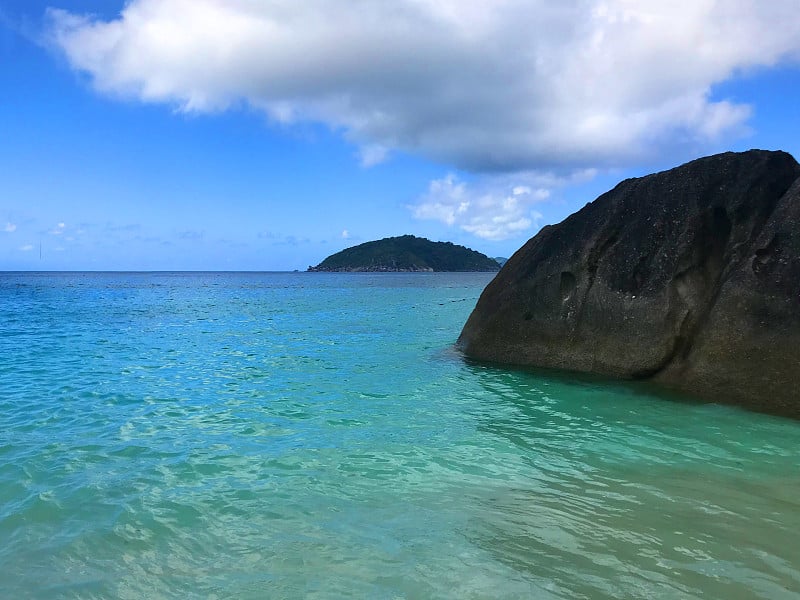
pixel 406 253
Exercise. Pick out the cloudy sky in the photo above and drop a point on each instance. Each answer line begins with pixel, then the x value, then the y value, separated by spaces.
pixel 267 134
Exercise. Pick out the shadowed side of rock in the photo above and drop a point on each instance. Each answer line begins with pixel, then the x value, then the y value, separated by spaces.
pixel 690 277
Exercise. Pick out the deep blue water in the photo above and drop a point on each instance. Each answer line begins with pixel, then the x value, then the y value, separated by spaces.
pixel 208 435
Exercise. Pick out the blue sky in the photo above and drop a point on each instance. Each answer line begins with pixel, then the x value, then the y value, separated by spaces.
pixel 250 135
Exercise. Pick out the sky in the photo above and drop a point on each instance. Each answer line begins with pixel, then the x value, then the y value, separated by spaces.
pixel 267 134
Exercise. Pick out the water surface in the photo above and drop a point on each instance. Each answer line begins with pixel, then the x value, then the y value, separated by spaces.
pixel 190 435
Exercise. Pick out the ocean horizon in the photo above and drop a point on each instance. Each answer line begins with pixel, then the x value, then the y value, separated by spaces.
pixel 251 434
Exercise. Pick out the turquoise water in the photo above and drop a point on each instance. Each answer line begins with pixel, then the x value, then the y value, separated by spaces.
pixel 314 435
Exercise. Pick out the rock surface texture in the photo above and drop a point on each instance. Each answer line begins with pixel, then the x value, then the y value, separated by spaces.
pixel 689 277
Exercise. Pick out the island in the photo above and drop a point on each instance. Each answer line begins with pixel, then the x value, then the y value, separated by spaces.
pixel 689 278
pixel 406 253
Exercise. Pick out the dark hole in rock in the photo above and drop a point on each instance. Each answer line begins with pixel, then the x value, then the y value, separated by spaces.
pixel 568 285
pixel 764 257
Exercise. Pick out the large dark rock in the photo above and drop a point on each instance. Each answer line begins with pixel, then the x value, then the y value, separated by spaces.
pixel 690 277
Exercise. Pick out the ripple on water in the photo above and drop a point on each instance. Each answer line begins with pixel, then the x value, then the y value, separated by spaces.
pixel 295 435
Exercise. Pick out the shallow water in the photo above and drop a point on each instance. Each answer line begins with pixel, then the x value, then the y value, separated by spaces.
pixel 314 435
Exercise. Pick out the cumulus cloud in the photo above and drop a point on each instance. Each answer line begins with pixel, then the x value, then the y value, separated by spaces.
pixel 494 210
pixel 479 85
pixel 10 228
pixel 26 247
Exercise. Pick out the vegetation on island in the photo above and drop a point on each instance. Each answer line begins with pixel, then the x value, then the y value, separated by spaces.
pixel 406 253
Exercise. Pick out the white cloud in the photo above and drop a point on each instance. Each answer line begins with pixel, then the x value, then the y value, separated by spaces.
pixel 480 85
pixel 191 235
pixel 345 234
pixel 10 228
pixel 26 247
pixel 58 229
pixel 445 201
pixel 493 210
pixel 372 154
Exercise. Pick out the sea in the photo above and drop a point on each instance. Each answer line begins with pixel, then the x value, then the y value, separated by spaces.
pixel 316 435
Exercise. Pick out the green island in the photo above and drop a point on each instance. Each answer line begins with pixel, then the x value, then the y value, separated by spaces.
pixel 406 253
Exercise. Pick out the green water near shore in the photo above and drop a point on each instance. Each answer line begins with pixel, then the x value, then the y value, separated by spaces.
pixel 315 435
